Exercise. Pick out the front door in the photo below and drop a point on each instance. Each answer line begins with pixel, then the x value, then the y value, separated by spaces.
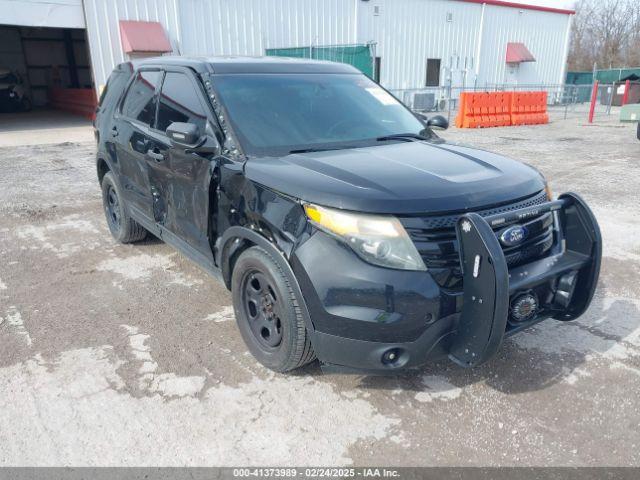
pixel 131 134
pixel 179 178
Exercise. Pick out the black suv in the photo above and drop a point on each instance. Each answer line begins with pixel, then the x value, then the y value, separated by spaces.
pixel 345 228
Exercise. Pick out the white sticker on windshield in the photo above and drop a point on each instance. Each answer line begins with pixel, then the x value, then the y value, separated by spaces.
pixel 382 96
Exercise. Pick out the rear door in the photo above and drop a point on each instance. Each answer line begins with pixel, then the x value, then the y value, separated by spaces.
pixel 179 177
pixel 107 106
pixel 131 131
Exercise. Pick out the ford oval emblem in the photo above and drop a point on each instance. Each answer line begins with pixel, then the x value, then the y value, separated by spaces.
pixel 513 235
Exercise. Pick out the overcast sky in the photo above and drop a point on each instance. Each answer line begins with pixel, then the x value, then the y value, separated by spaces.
pixel 548 3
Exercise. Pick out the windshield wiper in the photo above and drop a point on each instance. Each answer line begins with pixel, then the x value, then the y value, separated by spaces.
pixel 409 137
pixel 322 149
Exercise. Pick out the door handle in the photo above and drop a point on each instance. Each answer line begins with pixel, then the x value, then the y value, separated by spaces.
pixel 157 156
pixel 114 132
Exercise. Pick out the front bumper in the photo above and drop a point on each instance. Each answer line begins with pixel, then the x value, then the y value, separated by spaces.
pixel 377 320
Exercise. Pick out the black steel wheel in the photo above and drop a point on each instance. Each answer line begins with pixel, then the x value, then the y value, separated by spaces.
pixel 112 209
pixel 122 227
pixel 262 309
pixel 268 312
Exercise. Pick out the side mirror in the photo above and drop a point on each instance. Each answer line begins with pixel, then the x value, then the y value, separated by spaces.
pixel 438 122
pixel 184 134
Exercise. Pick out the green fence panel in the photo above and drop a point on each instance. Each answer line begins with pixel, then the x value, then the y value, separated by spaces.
pixel 300 52
pixel 615 74
pixel 358 56
pixel 579 78
pixel 603 76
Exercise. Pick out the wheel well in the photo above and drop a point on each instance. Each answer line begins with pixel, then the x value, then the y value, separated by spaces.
pixel 103 168
pixel 232 250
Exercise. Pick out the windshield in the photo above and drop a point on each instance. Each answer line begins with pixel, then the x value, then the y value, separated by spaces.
pixel 275 114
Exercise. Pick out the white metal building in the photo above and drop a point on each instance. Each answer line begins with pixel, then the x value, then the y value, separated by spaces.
pixel 419 42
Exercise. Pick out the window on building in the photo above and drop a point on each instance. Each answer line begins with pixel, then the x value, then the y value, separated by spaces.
pixel 180 102
pixel 376 69
pixel 140 102
pixel 433 72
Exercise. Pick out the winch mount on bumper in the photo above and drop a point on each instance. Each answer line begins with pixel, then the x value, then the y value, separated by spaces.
pixel 572 274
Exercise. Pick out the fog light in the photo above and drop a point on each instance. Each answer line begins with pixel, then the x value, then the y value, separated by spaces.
pixel 391 356
pixel 524 307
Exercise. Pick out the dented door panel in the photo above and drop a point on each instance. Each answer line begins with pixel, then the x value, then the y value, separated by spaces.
pixel 130 151
pixel 180 184
pixel 275 216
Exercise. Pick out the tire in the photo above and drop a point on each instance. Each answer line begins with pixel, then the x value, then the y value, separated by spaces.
pixel 123 228
pixel 268 312
pixel 638 131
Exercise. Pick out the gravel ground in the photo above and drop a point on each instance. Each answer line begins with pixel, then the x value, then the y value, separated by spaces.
pixel 129 355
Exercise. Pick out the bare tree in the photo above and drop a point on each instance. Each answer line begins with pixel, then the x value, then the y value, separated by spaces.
pixel 634 39
pixel 605 33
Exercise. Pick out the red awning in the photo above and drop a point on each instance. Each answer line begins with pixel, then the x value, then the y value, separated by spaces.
pixel 143 37
pixel 517 53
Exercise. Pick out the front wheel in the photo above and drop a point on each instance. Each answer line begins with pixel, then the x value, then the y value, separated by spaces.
pixel 268 312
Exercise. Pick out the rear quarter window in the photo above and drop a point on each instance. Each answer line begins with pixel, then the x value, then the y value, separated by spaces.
pixel 113 89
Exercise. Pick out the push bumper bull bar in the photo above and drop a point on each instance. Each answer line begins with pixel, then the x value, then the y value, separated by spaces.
pixel 489 284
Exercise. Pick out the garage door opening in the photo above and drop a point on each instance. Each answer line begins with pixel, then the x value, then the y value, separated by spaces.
pixel 45 68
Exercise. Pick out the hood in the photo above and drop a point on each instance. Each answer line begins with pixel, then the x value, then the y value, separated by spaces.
pixel 401 178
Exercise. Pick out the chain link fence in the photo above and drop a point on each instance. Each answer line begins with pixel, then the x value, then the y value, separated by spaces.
pixel 563 101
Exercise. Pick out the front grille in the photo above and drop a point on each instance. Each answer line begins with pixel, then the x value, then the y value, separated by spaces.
pixel 435 239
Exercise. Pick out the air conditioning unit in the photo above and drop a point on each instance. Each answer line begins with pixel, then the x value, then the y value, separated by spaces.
pixel 425 101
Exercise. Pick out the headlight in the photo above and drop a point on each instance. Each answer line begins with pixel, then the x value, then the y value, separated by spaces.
pixel 377 239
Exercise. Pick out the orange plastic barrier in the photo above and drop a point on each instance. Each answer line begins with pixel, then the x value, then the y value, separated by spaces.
pixel 462 108
pixel 498 109
pixel 81 101
pixel 529 108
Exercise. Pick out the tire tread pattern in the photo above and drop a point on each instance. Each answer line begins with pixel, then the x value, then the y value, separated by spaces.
pixel 135 231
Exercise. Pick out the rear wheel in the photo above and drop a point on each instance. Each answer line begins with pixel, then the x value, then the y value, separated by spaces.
pixel 123 228
pixel 268 312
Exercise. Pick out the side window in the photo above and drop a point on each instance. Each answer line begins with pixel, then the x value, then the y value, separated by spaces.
pixel 140 102
pixel 179 102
